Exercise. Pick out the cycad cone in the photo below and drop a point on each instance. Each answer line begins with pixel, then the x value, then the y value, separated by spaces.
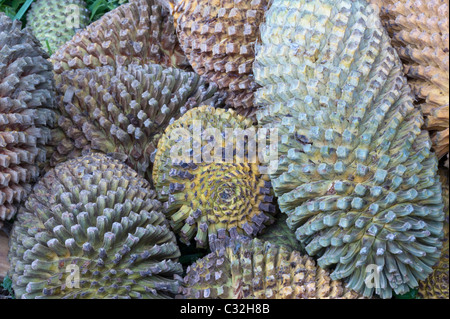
pixel 98 219
pixel 138 32
pixel 216 199
pixel 54 22
pixel 218 37
pixel 420 34
pixel 260 270
pixel 27 102
pixel 356 176
pixel 436 285
pixel 123 110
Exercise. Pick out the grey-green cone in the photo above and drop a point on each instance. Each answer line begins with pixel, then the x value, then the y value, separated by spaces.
pixel 94 217
pixel 356 176
pixel 54 22
pixel 124 110
pixel 27 102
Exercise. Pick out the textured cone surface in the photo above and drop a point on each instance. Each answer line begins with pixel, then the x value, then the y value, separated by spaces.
pixel 212 198
pixel 260 270
pixel 139 32
pixel 26 101
pixel 355 175
pixel 420 34
pixel 54 22
pixel 123 110
pixel 436 285
pixel 218 37
pixel 97 217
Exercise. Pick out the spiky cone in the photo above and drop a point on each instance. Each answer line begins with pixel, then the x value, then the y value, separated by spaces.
pixel 92 228
pixel 124 110
pixel 27 100
pixel 256 269
pixel 54 22
pixel 356 176
pixel 420 34
pixel 281 235
pixel 215 188
pixel 436 285
pixel 139 32
pixel 218 37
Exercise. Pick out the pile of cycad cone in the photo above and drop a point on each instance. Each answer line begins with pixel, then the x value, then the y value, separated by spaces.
pixel 357 93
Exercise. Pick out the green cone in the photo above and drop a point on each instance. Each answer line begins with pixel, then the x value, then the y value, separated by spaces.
pixel 54 22
pixel 92 228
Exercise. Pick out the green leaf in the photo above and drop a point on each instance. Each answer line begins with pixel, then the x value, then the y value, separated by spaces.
pixel 99 7
pixel 7 285
pixel 50 52
pixel 16 4
pixel 23 9
pixel 8 11
pixel 95 7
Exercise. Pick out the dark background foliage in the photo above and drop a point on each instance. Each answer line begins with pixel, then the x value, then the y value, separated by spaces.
pixel 18 8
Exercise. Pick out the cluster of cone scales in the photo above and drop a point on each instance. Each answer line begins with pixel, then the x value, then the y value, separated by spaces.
pixel 148 130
